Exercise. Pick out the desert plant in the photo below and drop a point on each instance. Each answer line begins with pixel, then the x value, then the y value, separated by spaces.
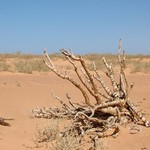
pixel 23 67
pixel 4 66
pixel 28 66
pixel 57 140
pixel 66 141
pixel 48 133
pixel 140 67
pixel 111 109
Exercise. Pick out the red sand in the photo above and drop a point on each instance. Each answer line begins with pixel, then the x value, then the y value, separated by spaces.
pixel 20 93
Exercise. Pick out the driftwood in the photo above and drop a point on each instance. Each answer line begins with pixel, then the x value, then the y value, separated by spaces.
pixel 111 109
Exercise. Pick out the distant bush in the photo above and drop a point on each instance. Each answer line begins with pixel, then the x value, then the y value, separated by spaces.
pixel 4 66
pixel 23 67
pixel 26 63
pixel 30 66
pixel 140 67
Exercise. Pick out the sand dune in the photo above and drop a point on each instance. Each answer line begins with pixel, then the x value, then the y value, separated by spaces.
pixel 20 93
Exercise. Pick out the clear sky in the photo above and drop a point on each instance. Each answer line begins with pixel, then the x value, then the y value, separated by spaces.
pixel 86 26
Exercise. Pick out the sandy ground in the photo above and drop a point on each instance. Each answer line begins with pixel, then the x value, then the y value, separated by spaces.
pixel 20 93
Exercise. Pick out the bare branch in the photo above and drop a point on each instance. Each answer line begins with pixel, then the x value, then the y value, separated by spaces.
pixel 50 66
pixel 99 78
pixel 91 91
pixel 111 75
pixel 124 88
pixel 81 60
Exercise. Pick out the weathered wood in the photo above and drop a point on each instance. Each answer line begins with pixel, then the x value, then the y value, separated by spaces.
pixel 112 108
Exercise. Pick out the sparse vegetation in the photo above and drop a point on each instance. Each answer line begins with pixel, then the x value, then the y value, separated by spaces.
pixel 55 139
pixel 22 63
pixel 33 63
pixel 48 133
pixel 139 66
pixel 4 66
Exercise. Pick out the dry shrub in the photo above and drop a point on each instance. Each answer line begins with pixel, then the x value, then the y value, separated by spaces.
pixel 111 110
pixel 48 133
pixel 24 63
pixel 55 138
pixel 27 63
pixel 23 67
pixel 4 66
pixel 30 66
pixel 140 67
pixel 67 141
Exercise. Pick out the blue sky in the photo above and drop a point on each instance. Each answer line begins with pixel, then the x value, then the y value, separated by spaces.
pixel 86 26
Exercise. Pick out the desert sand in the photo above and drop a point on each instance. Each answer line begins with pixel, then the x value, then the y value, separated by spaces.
pixel 20 93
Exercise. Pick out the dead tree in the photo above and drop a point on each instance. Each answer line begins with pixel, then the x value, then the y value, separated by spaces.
pixel 112 108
